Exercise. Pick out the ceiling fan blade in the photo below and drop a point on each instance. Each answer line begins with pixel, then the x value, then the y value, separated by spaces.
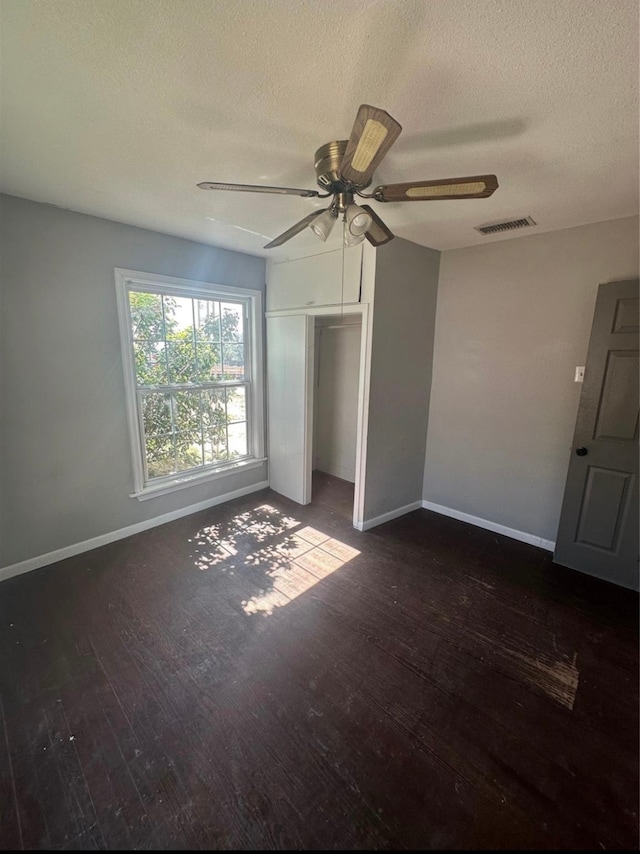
pixel 474 187
pixel 256 188
pixel 378 233
pixel 374 132
pixel 295 229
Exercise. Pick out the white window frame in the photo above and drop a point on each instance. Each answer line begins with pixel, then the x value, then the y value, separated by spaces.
pixel 132 280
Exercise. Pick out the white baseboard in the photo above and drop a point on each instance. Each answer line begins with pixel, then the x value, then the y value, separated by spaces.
pixel 523 536
pixel 387 517
pixel 85 546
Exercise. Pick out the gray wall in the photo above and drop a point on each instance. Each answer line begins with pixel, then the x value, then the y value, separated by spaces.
pixel 65 459
pixel 513 321
pixel 406 285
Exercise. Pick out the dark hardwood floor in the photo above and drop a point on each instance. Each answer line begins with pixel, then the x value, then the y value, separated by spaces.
pixel 332 493
pixel 261 675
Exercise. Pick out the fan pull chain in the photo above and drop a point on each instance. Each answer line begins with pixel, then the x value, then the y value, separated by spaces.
pixel 344 234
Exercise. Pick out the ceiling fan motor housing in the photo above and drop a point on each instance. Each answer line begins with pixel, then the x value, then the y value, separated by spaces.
pixel 327 161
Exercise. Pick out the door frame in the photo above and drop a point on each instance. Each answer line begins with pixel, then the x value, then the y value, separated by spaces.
pixel 311 312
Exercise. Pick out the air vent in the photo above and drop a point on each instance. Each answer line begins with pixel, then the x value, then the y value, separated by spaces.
pixel 506 225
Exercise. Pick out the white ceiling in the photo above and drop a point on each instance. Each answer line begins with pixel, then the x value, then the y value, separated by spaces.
pixel 119 107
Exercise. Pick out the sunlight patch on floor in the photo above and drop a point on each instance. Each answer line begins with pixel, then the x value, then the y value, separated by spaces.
pixel 216 544
pixel 287 562
pixel 295 566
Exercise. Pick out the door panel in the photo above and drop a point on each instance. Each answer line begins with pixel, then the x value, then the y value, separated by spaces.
pixel 618 410
pixel 626 318
pixel 598 531
pixel 290 387
pixel 603 507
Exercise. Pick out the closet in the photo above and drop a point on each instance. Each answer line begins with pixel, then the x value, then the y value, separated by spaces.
pixel 351 328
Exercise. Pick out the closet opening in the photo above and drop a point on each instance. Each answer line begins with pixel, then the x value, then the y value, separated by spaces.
pixel 336 379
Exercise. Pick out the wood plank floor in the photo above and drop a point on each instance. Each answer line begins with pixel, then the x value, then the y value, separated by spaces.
pixel 332 493
pixel 261 675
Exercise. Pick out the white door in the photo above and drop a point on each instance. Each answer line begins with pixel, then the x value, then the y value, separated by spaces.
pixel 290 400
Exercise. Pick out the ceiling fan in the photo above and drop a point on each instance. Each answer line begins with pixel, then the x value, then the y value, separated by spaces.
pixel 344 168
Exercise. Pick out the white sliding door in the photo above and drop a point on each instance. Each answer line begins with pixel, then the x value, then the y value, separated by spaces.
pixel 290 396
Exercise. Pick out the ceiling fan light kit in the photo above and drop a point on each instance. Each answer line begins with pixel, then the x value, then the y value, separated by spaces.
pixel 344 169
pixel 350 239
pixel 357 220
pixel 322 226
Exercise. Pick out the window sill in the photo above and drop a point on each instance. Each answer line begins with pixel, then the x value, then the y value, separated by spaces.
pixel 195 479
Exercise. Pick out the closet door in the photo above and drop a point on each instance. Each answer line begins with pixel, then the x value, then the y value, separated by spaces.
pixel 290 388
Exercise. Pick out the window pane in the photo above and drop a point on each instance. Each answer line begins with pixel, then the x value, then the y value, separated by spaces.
pixel 151 364
pixel 156 415
pixel 207 320
pixel 179 315
pixel 232 321
pixel 214 425
pixel 215 447
pixel 159 445
pixel 146 316
pixel 170 322
pixel 160 456
pixel 214 416
pixel 233 361
pixel 209 362
pixel 187 411
pixel 181 358
pixel 237 440
pixel 188 450
pixel 236 404
pixel 181 355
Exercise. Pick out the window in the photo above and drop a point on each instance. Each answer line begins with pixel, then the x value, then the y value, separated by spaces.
pixel 193 377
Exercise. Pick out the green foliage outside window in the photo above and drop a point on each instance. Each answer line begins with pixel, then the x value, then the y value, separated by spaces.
pixel 187 343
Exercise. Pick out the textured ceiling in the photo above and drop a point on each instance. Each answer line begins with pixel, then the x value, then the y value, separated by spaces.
pixel 119 107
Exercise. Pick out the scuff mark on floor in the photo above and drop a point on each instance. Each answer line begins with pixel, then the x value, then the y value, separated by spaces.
pixel 484 584
pixel 558 679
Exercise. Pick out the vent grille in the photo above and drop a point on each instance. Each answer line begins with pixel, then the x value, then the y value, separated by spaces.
pixel 506 225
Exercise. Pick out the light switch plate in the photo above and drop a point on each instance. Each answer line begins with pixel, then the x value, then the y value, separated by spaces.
pixel 579 374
